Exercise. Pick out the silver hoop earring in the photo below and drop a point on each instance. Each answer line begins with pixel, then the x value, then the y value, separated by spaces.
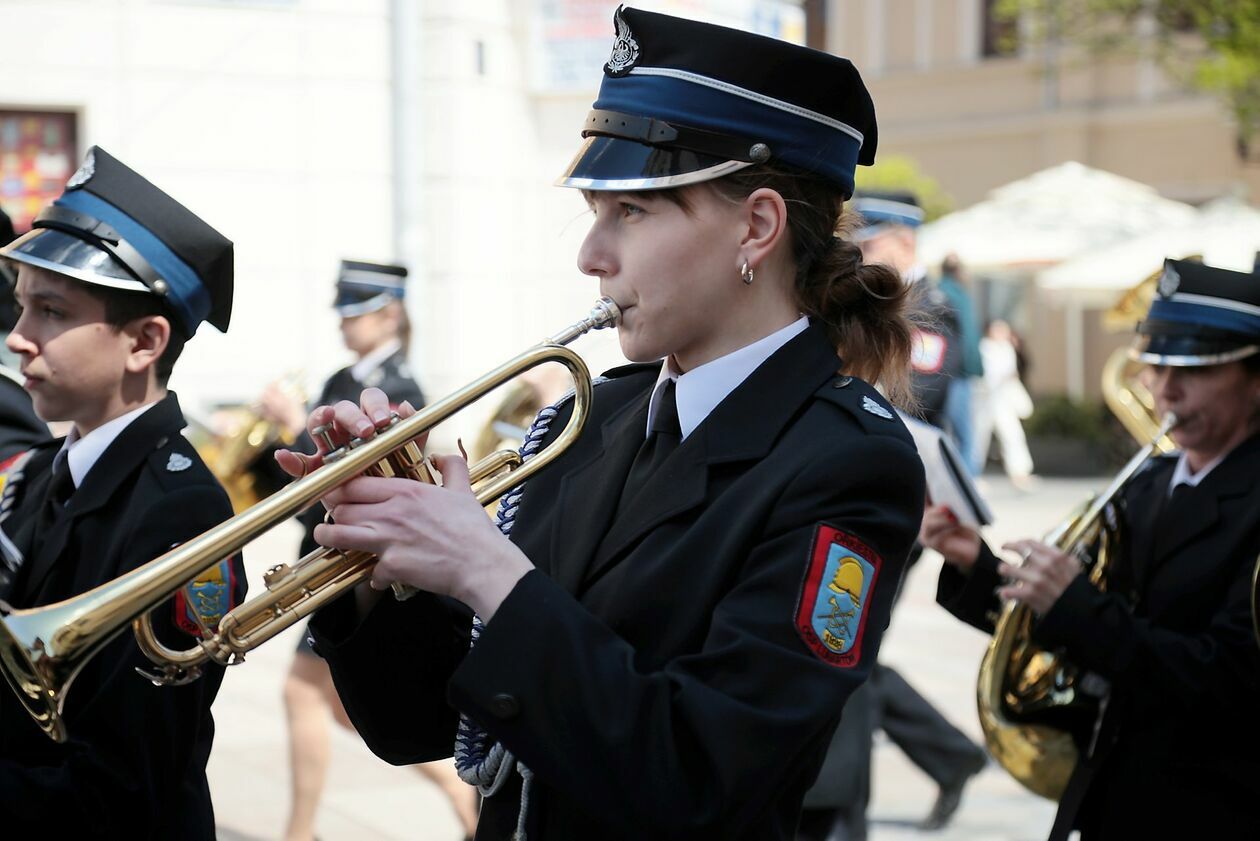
pixel 746 272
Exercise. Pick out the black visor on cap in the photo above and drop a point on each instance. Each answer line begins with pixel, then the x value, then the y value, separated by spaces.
pixel 58 251
pixel 615 163
pixel 1180 346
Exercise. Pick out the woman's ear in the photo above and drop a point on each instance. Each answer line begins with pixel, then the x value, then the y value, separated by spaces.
pixel 150 335
pixel 766 217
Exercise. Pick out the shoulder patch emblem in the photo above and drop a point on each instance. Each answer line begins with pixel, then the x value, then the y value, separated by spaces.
pixel 832 608
pixel 206 600
pixel 178 462
pixel 875 409
pixel 927 351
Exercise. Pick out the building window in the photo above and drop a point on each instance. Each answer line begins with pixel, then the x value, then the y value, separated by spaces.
pixel 38 154
pixel 1000 34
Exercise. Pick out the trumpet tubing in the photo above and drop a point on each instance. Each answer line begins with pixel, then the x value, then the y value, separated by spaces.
pixel 43 649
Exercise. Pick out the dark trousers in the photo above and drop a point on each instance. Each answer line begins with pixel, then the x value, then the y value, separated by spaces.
pixel 943 751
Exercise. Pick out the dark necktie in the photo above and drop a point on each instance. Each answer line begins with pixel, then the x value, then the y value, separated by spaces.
pixel 60 487
pixel 663 438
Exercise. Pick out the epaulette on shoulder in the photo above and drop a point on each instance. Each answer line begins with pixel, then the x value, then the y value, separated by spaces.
pixel 869 408
pixel 173 459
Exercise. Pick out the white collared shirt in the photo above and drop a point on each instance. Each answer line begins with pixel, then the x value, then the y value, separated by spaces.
pixel 86 451
pixel 700 390
pixel 374 359
pixel 1183 476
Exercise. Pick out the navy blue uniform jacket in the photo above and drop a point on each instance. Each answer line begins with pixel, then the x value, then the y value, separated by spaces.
pixel 650 670
pixel 134 765
pixel 1178 752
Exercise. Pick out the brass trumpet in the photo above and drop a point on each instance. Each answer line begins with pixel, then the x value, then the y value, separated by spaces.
pixel 43 649
pixel 1030 698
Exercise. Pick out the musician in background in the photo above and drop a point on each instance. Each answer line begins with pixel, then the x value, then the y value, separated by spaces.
pixel 375 328
pixel 20 427
pixel 112 281
pixel 1176 752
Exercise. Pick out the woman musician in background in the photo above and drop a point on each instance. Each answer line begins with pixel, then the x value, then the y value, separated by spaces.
pixel 691 592
pixel 1176 752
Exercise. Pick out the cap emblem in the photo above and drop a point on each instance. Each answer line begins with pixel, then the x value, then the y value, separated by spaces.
pixel 625 50
pixel 1169 281
pixel 84 173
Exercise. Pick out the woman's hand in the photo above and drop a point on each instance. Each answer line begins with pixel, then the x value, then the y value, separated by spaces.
pixel 1041 579
pixel 960 546
pixel 438 539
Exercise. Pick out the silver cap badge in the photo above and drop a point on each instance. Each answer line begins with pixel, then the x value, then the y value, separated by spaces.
pixel 1169 282
pixel 625 50
pixel 84 173
pixel 178 462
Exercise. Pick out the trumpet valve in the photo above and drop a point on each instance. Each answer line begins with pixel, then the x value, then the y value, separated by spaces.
pixel 276 574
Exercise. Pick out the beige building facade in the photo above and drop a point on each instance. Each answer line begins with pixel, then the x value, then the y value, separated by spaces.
pixel 974 120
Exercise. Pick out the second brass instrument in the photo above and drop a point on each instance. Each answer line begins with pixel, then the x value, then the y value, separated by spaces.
pixel 1029 698
pixel 43 649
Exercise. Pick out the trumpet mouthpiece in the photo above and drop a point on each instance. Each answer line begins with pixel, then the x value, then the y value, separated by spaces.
pixel 605 313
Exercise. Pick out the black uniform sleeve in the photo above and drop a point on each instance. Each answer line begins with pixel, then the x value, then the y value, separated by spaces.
pixel 1217 667
pixel 970 595
pixel 703 735
pixel 127 737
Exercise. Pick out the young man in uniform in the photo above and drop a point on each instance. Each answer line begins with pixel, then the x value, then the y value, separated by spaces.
pixel 112 280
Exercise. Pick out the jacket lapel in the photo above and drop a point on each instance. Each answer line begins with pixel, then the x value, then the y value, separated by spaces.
pixel 743 427
pixel 1141 534
pixel 119 461
pixel 1198 510
pixel 591 490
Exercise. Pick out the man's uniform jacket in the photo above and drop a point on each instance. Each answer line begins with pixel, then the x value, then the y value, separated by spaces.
pixel 1178 751
pixel 134 764
pixel 650 671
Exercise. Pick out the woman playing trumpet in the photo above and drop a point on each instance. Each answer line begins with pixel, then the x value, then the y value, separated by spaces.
pixel 1174 753
pixel 693 590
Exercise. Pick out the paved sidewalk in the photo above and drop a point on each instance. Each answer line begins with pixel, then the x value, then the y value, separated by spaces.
pixel 367 799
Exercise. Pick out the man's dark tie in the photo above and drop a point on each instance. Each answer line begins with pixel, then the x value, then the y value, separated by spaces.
pixel 663 438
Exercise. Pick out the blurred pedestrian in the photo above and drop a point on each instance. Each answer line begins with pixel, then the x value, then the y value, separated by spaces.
pixel 961 391
pixel 1005 404
pixel 374 327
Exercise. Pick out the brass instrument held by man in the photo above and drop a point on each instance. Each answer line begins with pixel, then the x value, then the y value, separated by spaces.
pixel 1028 697
pixel 43 649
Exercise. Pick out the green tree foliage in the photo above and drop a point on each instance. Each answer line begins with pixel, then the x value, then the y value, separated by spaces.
pixel 1208 45
pixel 898 172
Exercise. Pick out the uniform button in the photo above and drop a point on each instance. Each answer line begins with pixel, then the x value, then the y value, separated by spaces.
pixel 504 705
pixel 842 382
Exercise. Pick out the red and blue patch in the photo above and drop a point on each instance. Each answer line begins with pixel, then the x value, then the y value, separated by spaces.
pixel 832 609
pixel 208 599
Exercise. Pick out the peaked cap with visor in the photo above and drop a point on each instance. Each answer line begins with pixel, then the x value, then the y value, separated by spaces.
pixel 683 102
pixel 111 227
pixel 1201 315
